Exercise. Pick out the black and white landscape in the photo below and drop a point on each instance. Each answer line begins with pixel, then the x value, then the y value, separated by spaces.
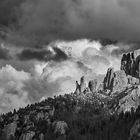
pixel 69 69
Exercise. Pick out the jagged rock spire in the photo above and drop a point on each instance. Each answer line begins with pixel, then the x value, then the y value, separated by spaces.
pixel 81 88
pixel 108 78
pixel 130 64
pixel 92 85
pixel 82 84
pixel 77 91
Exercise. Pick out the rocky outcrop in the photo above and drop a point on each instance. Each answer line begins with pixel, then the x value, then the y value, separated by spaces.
pixel 115 80
pixel 119 81
pixel 131 100
pixel 132 80
pixel 82 84
pixel 82 88
pixel 108 79
pixel 130 63
pixel 92 85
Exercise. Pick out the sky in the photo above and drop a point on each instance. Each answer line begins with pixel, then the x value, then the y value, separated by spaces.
pixel 45 45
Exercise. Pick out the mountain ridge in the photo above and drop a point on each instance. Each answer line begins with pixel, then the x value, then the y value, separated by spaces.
pixel 105 112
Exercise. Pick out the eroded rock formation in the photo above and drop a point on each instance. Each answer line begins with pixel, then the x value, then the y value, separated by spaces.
pixel 115 80
pixel 82 84
pixel 119 80
pixel 130 63
pixel 108 79
pixel 92 85
pixel 82 88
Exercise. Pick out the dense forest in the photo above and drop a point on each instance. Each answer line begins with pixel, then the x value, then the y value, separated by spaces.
pixel 69 117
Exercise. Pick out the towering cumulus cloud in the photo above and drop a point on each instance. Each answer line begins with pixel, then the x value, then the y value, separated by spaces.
pixel 57 75
pixel 12 94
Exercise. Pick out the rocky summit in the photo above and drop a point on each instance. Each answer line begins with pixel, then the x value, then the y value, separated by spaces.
pixel 107 110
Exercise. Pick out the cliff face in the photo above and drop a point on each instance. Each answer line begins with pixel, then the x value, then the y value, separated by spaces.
pixel 114 81
pixel 130 63
pixel 120 87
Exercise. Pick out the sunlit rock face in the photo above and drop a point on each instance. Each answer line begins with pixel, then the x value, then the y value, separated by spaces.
pixel 114 81
pixel 131 100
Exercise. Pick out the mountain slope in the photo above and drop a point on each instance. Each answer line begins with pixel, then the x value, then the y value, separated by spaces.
pixel 109 110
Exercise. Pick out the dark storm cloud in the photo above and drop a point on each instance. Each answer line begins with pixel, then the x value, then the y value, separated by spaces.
pixel 34 54
pixel 4 54
pixel 39 21
pixel 43 55
pixel 59 55
pixel 9 11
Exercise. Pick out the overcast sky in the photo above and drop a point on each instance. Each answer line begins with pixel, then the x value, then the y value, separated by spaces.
pixel 45 20
pixel 46 45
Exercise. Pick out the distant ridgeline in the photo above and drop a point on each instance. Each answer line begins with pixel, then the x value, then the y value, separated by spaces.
pixel 129 74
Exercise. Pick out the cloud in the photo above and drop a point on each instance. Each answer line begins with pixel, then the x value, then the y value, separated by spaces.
pixel 84 57
pixel 12 94
pixel 4 53
pixel 92 54
pixel 53 53
pixel 37 22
